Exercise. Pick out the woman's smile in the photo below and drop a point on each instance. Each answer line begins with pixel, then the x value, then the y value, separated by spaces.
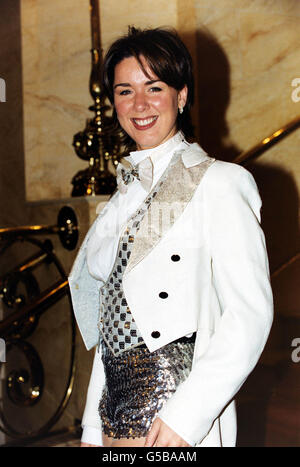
pixel 144 123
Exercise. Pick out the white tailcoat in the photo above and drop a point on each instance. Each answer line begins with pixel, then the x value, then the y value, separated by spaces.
pixel 208 215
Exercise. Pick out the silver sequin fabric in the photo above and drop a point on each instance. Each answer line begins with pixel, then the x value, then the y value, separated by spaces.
pixel 138 384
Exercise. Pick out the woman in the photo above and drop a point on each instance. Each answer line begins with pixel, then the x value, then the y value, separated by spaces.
pixel 178 261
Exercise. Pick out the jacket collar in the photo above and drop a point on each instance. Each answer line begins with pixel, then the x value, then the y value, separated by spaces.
pixel 193 155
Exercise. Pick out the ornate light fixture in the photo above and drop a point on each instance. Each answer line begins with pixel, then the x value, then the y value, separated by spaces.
pixel 99 142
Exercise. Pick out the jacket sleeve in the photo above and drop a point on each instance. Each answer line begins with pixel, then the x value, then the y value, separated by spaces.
pixel 240 274
pixel 91 416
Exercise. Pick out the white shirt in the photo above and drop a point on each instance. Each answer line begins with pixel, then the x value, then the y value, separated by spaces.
pixel 101 252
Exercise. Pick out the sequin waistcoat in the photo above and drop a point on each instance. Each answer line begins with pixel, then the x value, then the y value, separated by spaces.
pixel 116 324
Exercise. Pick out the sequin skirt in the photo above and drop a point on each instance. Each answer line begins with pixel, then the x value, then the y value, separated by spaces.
pixel 138 383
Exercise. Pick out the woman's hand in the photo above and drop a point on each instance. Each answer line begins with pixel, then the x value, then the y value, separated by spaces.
pixel 161 435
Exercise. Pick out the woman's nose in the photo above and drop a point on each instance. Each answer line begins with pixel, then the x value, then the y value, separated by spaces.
pixel 140 102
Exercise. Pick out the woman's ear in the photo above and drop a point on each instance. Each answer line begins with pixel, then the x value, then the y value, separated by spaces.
pixel 182 96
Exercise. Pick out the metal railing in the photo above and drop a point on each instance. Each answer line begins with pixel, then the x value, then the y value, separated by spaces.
pixel 21 322
pixel 265 144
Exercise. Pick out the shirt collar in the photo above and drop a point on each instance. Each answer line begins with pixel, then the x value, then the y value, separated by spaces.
pixel 135 157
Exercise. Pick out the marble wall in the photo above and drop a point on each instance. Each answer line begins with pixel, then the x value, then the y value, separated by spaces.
pixel 261 44
pixel 56 67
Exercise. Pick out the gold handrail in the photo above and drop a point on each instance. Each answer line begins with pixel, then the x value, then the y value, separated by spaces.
pixel 8 232
pixel 285 265
pixel 68 235
pixel 47 298
pixel 267 142
pixel 66 228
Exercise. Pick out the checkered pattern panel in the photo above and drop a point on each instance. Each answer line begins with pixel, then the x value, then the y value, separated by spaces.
pixel 117 324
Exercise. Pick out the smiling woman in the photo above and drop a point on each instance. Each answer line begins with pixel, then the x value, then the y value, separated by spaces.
pixel 143 105
pixel 172 279
pixel 137 62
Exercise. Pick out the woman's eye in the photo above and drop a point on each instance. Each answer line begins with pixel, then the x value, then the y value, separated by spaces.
pixel 125 92
pixel 155 89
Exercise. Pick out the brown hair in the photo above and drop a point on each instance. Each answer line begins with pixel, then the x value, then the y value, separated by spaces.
pixel 167 57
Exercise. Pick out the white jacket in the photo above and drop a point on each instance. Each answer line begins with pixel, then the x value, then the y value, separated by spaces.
pixel 207 214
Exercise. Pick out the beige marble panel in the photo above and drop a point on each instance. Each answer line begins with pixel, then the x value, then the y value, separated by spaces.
pixel 261 43
pixel 116 16
pixel 259 106
pixel 268 42
pixel 228 37
pixel 186 15
pixel 291 7
pixel 262 100
pixel 214 9
pixel 56 67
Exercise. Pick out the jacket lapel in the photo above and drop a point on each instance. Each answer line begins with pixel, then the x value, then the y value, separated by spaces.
pixel 170 201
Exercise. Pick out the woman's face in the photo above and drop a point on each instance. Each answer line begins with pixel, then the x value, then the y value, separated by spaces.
pixel 146 108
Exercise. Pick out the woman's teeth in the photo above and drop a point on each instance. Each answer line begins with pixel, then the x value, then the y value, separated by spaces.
pixel 145 122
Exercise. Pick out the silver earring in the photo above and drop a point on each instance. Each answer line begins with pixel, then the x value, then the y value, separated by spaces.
pixel 180 109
